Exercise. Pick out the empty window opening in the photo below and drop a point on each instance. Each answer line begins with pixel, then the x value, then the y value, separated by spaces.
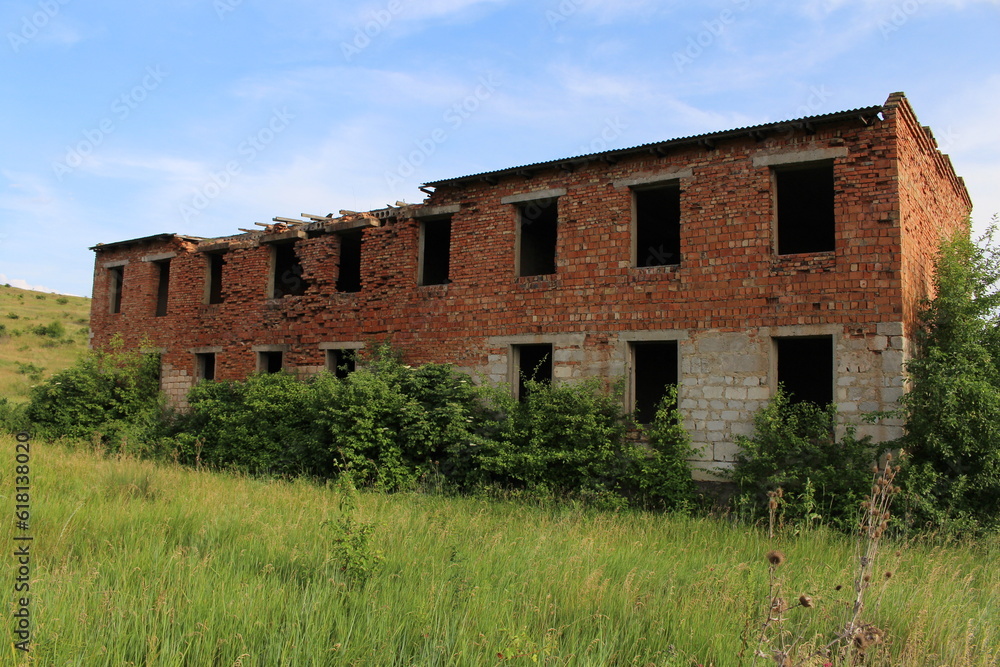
pixel 205 366
pixel 532 362
pixel 805 209
pixel 435 252
pixel 116 279
pixel 537 228
pixel 288 280
pixel 216 261
pixel 658 226
pixel 349 264
pixel 805 368
pixel 270 362
pixel 341 362
pixel 162 287
pixel 654 369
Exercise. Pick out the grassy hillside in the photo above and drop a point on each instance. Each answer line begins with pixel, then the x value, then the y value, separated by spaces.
pixel 137 563
pixel 39 335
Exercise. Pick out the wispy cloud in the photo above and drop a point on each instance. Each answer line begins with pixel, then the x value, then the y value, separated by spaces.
pixel 23 284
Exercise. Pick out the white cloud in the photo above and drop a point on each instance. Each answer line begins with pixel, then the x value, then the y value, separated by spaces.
pixel 23 284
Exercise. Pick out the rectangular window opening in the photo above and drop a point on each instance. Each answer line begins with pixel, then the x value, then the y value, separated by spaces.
pixel 537 232
pixel 162 286
pixel 657 226
pixel 288 280
pixel 532 362
pixel 349 264
pixel 116 280
pixel 205 365
pixel 654 369
pixel 341 362
pixel 270 362
pixel 216 260
pixel 805 208
pixel 805 368
pixel 435 252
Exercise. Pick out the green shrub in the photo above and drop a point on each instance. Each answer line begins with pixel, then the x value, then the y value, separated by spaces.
pixel 52 330
pixel 62 301
pixel 262 424
pixel 664 474
pixel 793 448
pixel 31 370
pixel 13 416
pixel 112 393
pixel 565 437
pixel 390 424
pixel 951 471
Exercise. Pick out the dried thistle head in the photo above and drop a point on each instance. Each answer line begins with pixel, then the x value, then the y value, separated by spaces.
pixel 772 504
pixel 888 574
pixel 775 557
pixel 805 601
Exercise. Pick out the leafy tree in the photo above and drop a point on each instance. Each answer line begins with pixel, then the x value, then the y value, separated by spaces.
pixel 952 469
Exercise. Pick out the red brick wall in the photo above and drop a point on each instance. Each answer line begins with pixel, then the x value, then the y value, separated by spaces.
pixel 894 194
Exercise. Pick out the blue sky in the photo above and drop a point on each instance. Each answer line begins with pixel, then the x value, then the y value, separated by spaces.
pixel 125 119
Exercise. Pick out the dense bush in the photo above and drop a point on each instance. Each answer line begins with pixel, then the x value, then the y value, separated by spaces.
pixel 664 474
pixel 13 417
pixel 566 437
pixel 793 447
pixel 51 330
pixel 111 395
pixel 951 471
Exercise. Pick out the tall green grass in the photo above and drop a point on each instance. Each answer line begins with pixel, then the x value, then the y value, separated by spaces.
pixel 146 564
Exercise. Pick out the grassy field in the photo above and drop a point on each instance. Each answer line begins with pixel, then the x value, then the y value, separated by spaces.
pixel 30 347
pixel 143 564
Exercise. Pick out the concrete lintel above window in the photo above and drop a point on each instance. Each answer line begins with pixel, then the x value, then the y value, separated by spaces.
pixel 533 196
pixel 802 330
pixel 353 345
pixel 270 348
pixel 435 211
pixel 211 349
pixel 160 257
pixel 653 178
pixel 221 246
pixel 792 157
pixel 654 335
pixel 115 264
pixel 562 340
pixel 290 235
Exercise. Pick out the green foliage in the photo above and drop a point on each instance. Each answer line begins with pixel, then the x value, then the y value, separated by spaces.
pixel 793 448
pixel 664 475
pixel 951 473
pixel 62 301
pixel 33 371
pixel 13 416
pixel 52 330
pixel 113 393
pixel 566 437
pixel 263 424
pixel 395 427
pixel 352 541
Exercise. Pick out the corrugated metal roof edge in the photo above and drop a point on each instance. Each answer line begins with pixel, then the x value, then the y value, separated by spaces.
pixel 722 134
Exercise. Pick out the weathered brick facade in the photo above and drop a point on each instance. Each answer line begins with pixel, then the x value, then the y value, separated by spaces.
pixel 731 301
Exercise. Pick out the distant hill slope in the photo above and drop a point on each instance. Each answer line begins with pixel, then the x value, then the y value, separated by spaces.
pixel 40 334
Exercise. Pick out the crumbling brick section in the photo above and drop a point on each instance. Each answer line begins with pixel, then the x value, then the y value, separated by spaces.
pixel 720 289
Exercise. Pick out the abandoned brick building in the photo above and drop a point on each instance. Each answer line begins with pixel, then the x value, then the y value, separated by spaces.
pixel 794 252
